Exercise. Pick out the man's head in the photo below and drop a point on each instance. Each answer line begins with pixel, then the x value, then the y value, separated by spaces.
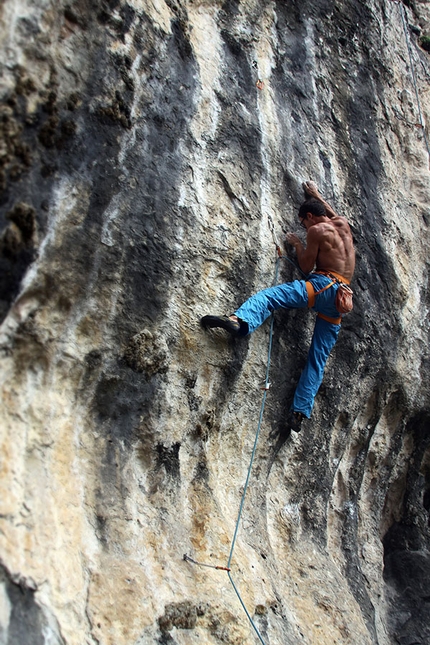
pixel 312 206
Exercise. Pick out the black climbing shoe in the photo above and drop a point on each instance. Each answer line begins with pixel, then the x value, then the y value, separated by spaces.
pixel 233 327
pixel 294 420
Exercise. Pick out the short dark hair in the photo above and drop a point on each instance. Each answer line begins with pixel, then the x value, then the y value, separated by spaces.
pixel 313 206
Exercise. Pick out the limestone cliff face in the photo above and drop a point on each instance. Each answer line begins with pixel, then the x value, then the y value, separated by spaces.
pixel 148 149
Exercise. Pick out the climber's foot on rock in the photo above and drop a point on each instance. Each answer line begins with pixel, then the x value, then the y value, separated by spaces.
pixel 232 325
pixel 294 421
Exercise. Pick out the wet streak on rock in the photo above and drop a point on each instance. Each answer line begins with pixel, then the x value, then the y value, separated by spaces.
pixel 407 544
pixel 240 138
pixel 23 167
pixel 377 281
pixel 60 146
pixel 350 528
pixel 149 222
pixel 152 223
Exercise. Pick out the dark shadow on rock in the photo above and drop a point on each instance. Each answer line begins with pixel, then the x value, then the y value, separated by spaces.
pixel 407 544
pixel 27 624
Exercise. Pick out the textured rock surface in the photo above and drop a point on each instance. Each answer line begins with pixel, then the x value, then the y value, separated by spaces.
pixel 147 148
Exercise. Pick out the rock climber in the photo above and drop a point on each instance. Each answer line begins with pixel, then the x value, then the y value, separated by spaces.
pixel 329 259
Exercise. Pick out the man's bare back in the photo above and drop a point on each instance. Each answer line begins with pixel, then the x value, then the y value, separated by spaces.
pixel 336 251
pixel 329 243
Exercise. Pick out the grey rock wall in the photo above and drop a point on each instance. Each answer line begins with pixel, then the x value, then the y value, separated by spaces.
pixel 148 149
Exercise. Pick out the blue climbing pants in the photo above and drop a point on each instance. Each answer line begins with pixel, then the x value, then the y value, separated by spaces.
pixel 293 295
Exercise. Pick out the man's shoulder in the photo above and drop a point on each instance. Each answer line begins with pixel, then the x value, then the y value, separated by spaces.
pixel 323 228
pixel 339 218
pixel 340 222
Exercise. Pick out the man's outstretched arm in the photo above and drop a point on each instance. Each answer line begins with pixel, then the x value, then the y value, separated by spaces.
pixel 311 190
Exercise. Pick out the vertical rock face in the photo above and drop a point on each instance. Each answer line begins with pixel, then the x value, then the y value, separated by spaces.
pixel 148 150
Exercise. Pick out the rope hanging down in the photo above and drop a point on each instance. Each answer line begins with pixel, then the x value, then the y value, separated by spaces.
pixel 265 389
pixel 257 434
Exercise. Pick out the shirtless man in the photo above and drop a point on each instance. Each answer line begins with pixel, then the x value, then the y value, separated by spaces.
pixel 329 244
pixel 329 248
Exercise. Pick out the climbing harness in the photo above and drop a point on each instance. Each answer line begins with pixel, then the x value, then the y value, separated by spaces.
pixel 311 301
pixel 336 277
pixel 344 294
pixel 312 293
pixel 414 79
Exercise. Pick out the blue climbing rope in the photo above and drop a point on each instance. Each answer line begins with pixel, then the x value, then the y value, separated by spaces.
pixel 245 489
pixel 248 476
pixel 257 434
pixel 263 402
pixel 245 609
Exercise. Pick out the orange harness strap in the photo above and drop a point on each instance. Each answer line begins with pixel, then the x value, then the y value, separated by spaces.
pixel 311 301
pixel 333 321
pixel 312 293
pixel 333 274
